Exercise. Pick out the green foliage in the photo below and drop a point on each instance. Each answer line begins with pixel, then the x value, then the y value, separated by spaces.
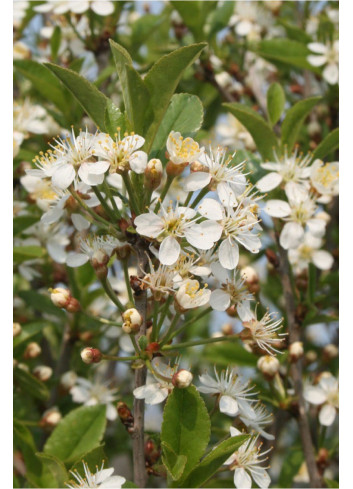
pixel 56 468
pixel 24 253
pixel 55 42
pixel 90 98
pixel 328 145
pixel 264 137
pixel 290 466
pixel 229 353
pixel 275 102
pixel 40 302
pixel 79 432
pixel 184 114
pixel 30 384
pixel 294 119
pixel 113 118
pixel 28 331
pixel 21 223
pixel 185 431
pixel 213 461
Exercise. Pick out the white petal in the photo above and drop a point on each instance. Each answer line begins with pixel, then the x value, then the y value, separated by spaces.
pixel 243 27
pixel 169 251
pixel 277 208
pixel 244 311
pixel 316 60
pixel 53 215
pixel 103 474
pixel 250 241
pixel 185 212
pixel 327 415
pixel 138 161
pixel 111 413
pixel 219 300
pixel 261 478
pixel 219 272
pixel 80 222
pixel 330 73
pixel 314 395
pixel 229 254
pixel 316 227
pixel 317 47
pixel 291 236
pixel 271 166
pixel 226 195
pixel 76 259
pixel 211 209
pixel 269 182
pixel 102 7
pixel 63 176
pixel 56 251
pixel 322 259
pixel 116 482
pixel 204 235
pixel 149 224
pixel 196 181
pixel 242 479
pixel 228 405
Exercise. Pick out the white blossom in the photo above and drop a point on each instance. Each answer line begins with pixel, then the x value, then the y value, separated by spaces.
pixel 157 392
pixel 324 178
pixel 191 295
pixel 101 478
pixel 260 418
pixel 182 150
pixel 325 55
pixel 92 393
pixel 309 252
pixel 98 248
pixel 324 394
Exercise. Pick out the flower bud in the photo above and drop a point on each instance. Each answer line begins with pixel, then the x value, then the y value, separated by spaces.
pixel 16 329
pixel 91 355
pixel 174 170
pixel 73 305
pixel 132 321
pixel 251 279
pixel 296 350
pixel 330 352
pixel 68 379
pixel 51 418
pixel 32 350
pixel 43 372
pixel 153 174
pixel 310 357
pixel 268 365
pixel 227 329
pixel 60 297
pixel 182 379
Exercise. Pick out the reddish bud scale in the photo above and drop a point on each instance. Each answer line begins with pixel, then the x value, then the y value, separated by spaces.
pixel 174 170
pixel 91 355
pixel 272 257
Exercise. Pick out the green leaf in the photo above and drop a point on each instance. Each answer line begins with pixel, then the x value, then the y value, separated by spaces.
pixel 45 83
pixel 290 467
pixel 294 120
pixel 294 32
pixel 162 87
pixel 94 458
pixel 260 130
pixel 55 42
pixel 90 98
pixel 24 253
pixel 135 92
pixel 20 223
pixel 175 464
pixel 56 468
pixel 284 51
pixel 229 353
pixel 184 114
pixel 28 331
pixel 79 432
pixel 185 428
pixel 23 440
pixel 113 118
pixel 191 13
pixel 275 102
pixel 331 483
pixel 219 17
pixel 328 145
pixel 30 384
pixel 213 461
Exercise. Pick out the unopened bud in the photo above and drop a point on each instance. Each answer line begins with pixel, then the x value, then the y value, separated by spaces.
pixel 91 355
pixel 330 352
pixel 314 128
pixel 132 321
pixel 51 418
pixel 32 350
pixel 296 350
pixel 60 297
pixel 16 329
pixel 310 357
pixel 268 365
pixel 182 379
pixel 227 329
pixel 68 379
pixel 153 174
pixel 43 372
pixel 251 279
pixel 73 305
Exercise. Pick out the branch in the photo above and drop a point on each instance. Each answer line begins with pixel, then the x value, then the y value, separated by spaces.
pixel 138 442
pixel 296 368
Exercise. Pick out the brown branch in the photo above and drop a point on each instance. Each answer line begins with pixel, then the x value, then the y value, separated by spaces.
pixel 294 334
pixel 138 442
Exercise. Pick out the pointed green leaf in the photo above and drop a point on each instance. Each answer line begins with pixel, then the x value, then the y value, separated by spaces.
pixel 294 119
pixel 175 464
pixel 20 223
pixel 186 427
pixel 113 118
pixel 260 130
pixel 80 431
pixel 184 114
pixel 213 461
pixel 90 98
pixel 94 458
pixel 45 83
pixel 275 102
pixel 55 467
pixel 191 13
pixel 24 253
pixel 290 466
pixel 328 145
pixel 162 87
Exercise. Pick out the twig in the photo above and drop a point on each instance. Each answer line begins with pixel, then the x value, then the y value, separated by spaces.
pixel 296 368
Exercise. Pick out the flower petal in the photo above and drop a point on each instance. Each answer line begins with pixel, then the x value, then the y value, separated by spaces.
pixel 219 300
pixel 211 209
pixel 80 222
pixel 269 182
pixel 169 251
pixel 196 181
pixel 138 161
pixel 229 254
pixel 63 176
pixel 228 405
pixel 322 259
pixel 327 415
pixel 314 395
pixel 291 236
pixel 242 479
pixel 330 73
pixel 277 208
